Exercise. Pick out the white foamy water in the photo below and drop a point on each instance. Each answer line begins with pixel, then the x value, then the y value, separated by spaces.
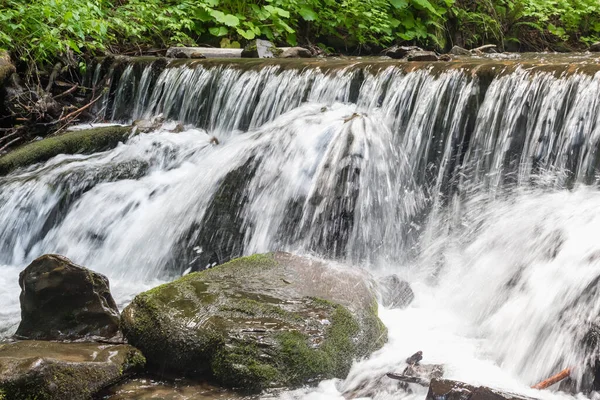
pixel 464 191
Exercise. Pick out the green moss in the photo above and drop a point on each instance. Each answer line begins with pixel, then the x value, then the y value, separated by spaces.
pixel 134 360
pixel 81 142
pixel 238 366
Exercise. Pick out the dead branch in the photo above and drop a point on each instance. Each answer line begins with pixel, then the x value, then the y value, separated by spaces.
pixel 53 75
pixel 565 373
pixel 66 92
pixel 7 145
pixel 78 111
pixel 408 379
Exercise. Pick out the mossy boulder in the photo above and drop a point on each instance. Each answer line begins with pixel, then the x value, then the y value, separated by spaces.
pixel 271 320
pixel 58 371
pixel 61 300
pixel 86 141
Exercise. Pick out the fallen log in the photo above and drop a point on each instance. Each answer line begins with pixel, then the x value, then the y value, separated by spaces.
pixel 564 374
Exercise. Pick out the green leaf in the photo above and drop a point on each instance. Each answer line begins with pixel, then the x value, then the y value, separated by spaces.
pixel 399 3
pixel 307 14
pixel 218 31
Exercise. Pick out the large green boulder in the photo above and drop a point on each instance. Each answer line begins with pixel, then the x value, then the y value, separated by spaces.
pixel 58 371
pixel 272 320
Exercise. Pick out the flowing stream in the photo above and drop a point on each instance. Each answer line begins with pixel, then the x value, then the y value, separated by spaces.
pixel 480 191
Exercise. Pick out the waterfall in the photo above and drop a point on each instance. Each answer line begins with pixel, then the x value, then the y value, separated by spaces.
pixel 479 189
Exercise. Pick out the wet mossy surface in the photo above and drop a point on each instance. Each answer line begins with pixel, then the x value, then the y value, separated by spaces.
pixel 52 371
pixel 79 142
pixel 270 320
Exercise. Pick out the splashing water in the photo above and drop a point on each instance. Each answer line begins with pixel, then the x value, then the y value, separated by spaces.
pixel 456 185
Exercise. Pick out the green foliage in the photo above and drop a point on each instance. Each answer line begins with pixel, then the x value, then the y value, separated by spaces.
pixel 46 29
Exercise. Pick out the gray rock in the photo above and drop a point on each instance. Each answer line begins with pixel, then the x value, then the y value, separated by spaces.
pixel 296 52
pixel 272 320
pixel 61 300
pixel 395 293
pixel 398 52
pixel 444 389
pixel 422 56
pixel 58 371
pixel 595 47
pixel 260 49
pixel 459 51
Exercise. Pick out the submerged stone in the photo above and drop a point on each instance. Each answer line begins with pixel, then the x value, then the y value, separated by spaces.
pixel 58 371
pixel 147 388
pixel 61 300
pixel 79 142
pixel 271 320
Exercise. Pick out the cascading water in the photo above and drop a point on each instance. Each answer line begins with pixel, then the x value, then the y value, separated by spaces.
pixel 471 187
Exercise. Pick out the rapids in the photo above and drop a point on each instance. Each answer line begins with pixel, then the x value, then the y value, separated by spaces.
pixel 482 193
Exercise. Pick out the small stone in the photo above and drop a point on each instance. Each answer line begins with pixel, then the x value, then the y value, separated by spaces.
pixel 296 52
pixel 61 300
pixel 422 56
pixel 595 47
pixel 197 55
pixel 459 51
pixel 398 52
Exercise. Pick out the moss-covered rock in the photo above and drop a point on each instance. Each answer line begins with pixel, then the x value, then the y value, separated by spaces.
pixel 61 300
pixel 58 371
pixel 79 142
pixel 269 320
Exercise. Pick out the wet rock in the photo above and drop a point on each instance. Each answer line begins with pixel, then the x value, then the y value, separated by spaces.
pixel 184 52
pixel 260 49
pixel 595 47
pixel 459 51
pixel 58 371
pixel 272 320
pixel 444 389
pixel 219 237
pixel 398 52
pixel 422 56
pixel 61 300
pixel 86 141
pixel 147 388
pixel 395 293
pixel 296 52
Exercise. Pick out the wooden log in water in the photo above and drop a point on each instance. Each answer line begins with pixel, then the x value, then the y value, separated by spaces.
pixel 564 374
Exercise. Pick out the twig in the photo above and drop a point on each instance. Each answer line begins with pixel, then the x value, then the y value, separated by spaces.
pixel 3 138
pixel 53 76
pixel 9 143
pixel 79 110
pixel 67 92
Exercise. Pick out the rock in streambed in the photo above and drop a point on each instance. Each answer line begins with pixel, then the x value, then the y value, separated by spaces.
pixel 271 320
pixel 61 300
pixel 58 371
